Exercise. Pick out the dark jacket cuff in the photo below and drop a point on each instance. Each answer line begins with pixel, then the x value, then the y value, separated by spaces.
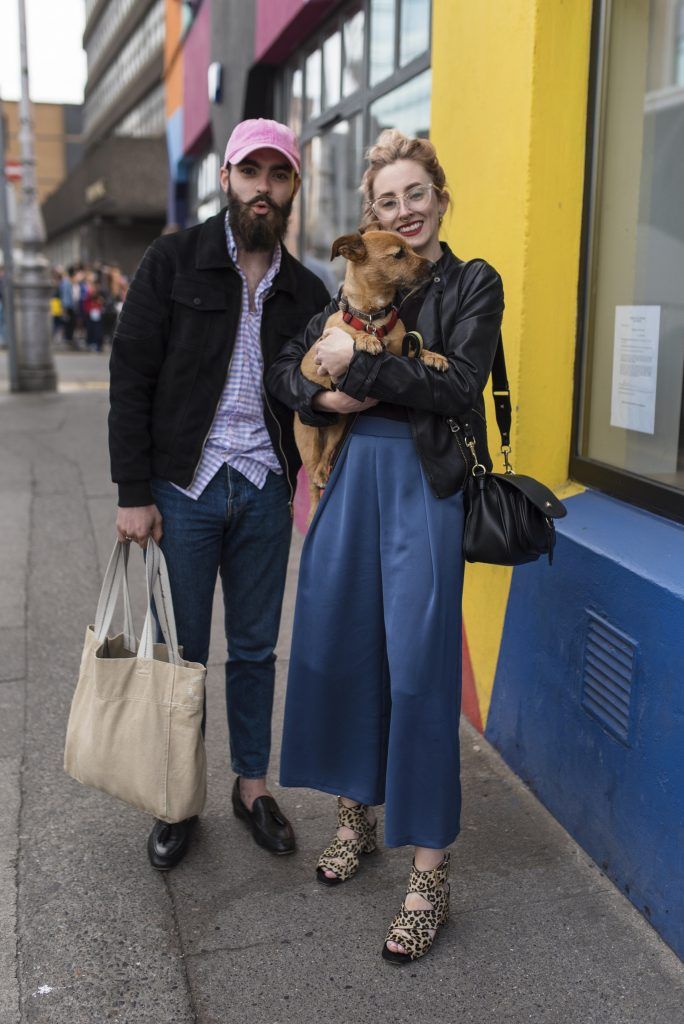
pixel 361 375
pixel 135 494
pixel 309 416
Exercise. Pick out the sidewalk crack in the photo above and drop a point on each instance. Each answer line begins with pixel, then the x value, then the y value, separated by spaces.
pixel 183 956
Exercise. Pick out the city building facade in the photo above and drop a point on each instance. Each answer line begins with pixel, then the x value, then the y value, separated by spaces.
pixel 57 129
pixel 114 202
pixel 207 56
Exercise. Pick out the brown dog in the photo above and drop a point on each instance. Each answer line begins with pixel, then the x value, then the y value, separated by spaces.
pixel 379 263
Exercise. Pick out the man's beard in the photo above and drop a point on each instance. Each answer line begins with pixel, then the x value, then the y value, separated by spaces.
pixel 258 232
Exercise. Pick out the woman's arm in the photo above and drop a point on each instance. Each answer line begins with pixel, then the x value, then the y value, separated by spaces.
pixel 285 380
pixel 470 330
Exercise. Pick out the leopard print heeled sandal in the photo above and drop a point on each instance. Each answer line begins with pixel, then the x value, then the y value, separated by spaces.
pixel 416 930
pixel 342 856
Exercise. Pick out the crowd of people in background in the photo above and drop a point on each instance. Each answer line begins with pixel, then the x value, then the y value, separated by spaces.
pixel 85 303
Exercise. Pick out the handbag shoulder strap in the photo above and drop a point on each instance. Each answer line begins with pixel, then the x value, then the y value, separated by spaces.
pixel 500 388
pixel 502 394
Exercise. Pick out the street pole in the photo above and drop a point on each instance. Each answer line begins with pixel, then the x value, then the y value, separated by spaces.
pixel 8 260
pixel 36 368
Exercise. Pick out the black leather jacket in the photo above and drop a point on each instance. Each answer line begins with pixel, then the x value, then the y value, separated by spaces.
pixel 460 317
pixel 171 352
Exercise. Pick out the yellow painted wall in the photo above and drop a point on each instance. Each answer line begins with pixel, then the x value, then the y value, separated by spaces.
pixel 509 96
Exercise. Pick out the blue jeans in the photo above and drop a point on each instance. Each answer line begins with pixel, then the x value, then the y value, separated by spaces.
pixel 244 533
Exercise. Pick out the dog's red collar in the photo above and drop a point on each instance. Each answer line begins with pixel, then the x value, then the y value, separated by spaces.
pixel 370 328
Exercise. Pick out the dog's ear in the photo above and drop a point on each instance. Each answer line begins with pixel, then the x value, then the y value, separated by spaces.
pixel 352 247
pixel 371 225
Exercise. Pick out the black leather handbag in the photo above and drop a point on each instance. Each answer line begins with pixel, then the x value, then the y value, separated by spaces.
pixel 508 517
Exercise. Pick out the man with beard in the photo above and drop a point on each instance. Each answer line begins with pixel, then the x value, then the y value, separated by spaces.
pixel 204 459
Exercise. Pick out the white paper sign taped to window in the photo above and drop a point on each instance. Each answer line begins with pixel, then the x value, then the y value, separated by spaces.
pixel 635 368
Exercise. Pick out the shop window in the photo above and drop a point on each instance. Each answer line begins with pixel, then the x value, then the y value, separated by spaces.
pixel 406 108
pixel 313 84
pixel 414 29
pixel 205 192
pixel 383 15
pixel 629 437
pixel 332 201
pixel 365 69
pixel 332 69
pixel 294 118
pixel 679 48
pixel 353 33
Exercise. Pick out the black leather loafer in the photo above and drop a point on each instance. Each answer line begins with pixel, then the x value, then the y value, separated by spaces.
pixel 168 844
pixel 269 826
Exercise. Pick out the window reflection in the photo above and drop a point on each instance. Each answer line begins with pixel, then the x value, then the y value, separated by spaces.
pixel 353 53
pixel 313 85
pixel 332 202
pixel 679 48
pixel 406 108
pixel 633 392
pixel 382 31
pixel 294 117
pixel 332 70
pixel 414 29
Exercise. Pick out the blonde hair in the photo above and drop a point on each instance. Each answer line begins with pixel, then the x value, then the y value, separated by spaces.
pixel 393 145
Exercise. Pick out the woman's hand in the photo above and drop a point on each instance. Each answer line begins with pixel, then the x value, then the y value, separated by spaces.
pixel 337 401
pixel 334 352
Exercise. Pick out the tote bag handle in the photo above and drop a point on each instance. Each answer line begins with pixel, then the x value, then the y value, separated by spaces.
pixel 159 588
pixel 116 578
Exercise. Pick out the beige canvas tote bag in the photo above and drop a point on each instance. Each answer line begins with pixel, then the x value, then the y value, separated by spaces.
pixel 135 724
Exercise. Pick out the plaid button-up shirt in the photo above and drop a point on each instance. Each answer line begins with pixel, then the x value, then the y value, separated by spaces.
pixel 238 434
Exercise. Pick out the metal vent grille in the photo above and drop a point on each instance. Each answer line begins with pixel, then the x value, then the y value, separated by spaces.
pixel 608 676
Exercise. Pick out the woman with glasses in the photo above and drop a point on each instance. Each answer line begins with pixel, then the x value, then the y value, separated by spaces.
pixel 373 699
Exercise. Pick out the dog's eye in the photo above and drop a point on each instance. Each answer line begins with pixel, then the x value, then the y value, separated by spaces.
pixel 399 255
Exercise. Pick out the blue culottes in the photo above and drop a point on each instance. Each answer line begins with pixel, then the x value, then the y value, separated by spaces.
pixel 374 687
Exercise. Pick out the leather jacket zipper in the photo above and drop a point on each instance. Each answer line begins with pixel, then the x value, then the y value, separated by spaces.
pixel 342 441
pixel 456 430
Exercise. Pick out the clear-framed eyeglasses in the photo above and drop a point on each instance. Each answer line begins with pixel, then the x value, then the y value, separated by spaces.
pixel 416 199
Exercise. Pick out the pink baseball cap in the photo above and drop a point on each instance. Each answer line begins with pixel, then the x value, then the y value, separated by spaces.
pixel 260 133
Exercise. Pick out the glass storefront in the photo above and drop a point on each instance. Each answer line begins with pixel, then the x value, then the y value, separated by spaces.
pixel 205 194
pixel 406 108
pixel 368 68
pixel 631 409
pixel 330 180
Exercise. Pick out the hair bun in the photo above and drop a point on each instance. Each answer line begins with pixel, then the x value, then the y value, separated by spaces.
pixel 392 145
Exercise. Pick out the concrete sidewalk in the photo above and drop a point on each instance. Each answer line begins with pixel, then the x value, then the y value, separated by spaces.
pixel 90 933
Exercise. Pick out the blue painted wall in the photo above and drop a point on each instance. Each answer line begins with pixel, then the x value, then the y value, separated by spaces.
pixel 622 799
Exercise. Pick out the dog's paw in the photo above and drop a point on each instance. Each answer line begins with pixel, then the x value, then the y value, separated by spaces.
pixel 368 343
pixel 435 360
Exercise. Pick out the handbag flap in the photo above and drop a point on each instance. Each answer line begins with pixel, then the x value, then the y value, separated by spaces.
pixel 540 495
